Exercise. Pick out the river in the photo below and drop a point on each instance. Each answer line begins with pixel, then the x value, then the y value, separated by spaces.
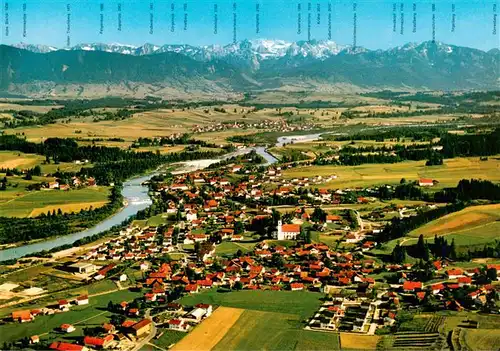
pixel 137 198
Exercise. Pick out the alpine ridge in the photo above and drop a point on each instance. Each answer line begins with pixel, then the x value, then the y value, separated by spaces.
pixel 37 70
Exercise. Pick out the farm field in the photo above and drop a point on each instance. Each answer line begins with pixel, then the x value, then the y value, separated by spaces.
pixel 481 339
pixel 144 124
pixel 456 319
pixel 168 338
pixel 300 303
pixel 351 341
pixel 258 330
pixel 164 122
pixel 161 149
pixel 447 175
pixel 10 159
pixel 320 146
pixel 216 326
pixel 20 160
pixel 472 225
pixel 35 108
pixel 229 247
pixel 78 315
pixel 274 316
pixel 20 203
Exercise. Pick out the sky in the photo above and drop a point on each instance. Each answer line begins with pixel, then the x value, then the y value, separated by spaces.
pixel 470 23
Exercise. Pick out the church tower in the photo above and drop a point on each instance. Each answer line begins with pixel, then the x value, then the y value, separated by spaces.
pixel 280 235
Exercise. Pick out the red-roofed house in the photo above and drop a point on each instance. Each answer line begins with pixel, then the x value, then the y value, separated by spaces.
pixel 67 328
pixel 128 323
pixel 296 286
pixel 425 182
pixel 437 288
pixel 35 339
pixel 411 286
pixel 454 273
pixel 464 281
pixel 97 342
pixel 141 327
pixel 421 295
pixel 192 288
pixel 66 346
pixel 287 231
pixel 82 300
pixel 178 324
pixel 63 304
pixel 333 218
pixel 22 316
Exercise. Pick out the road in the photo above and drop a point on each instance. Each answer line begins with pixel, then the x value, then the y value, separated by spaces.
pixel 151 335
pixel 27 299
pixel 80 321
pixel 360 221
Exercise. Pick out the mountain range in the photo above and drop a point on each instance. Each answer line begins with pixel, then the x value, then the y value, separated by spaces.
pixel 249 52
pixel 178 71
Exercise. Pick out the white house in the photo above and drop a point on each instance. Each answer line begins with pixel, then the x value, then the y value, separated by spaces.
pixel 206 307
pixel 82 300
pixel 123 278
pixel 178 324
pixel 196 315
pixel 353 238
pixel 425 182
pixel 191 216
pixel 67 328
pixel 287 231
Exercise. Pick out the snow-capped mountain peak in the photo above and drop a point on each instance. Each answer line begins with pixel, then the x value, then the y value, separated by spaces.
pixel 254 51
pixel 40 49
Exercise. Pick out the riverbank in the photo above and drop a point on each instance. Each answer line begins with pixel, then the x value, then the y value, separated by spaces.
pixel 136 199
pixel 34 241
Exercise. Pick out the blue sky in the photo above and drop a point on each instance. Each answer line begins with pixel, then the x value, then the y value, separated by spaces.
pixel 46 22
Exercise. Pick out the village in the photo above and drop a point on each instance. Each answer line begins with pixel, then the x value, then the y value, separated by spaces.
pixel 269 228
pixel 270 125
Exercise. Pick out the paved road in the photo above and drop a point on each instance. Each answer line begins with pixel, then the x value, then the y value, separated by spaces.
pixel 27 299
pixel 360 221
pixel 151 335
pixel 147 339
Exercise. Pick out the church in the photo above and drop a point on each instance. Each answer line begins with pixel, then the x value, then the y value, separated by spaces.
pixel 287 231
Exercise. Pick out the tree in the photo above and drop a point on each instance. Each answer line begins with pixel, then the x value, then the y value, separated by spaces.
pixel 117 319
pixel 398 254
pixel 435 159
pixel 238 285
pixel 453 252
pixel 197 247
pixel 305 234
pixel 426 254
pixel 190 273
pixel 36 171
pixel 491 273
pixel 111 306
pixel 431 303
pixel 420 244
pixel 318 215
pixel 216 266
pixel 239 227
pixel 277 261
pixel 276 216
